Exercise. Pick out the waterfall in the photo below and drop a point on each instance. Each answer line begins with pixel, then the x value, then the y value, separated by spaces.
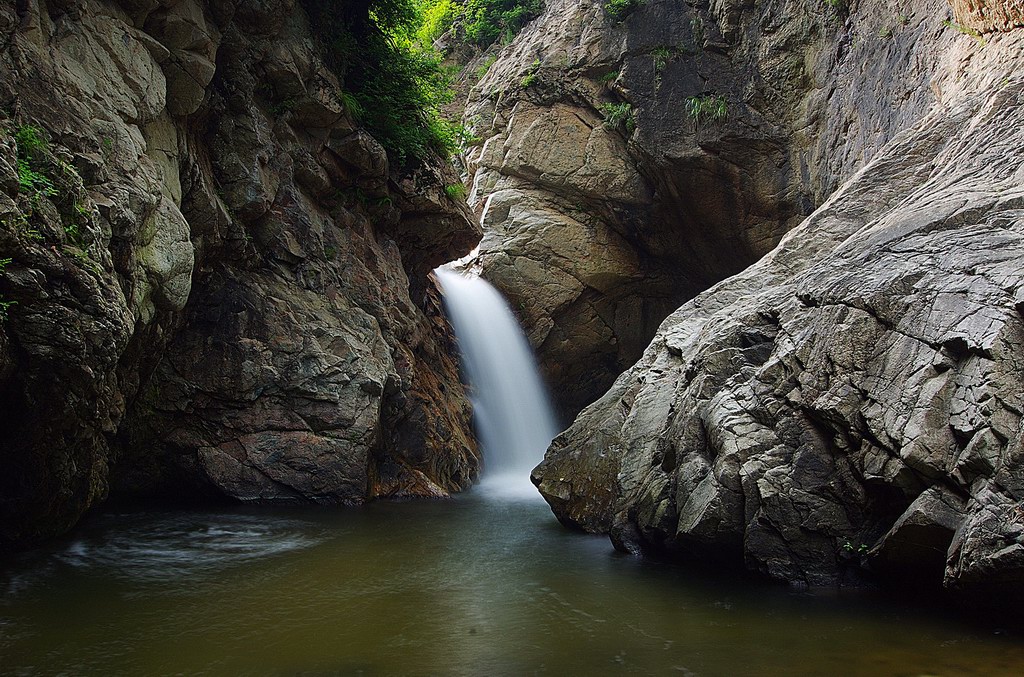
pixel 511 412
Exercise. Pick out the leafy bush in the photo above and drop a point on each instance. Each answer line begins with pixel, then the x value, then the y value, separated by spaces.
pixel 455 191
pixel 32 183
pixel 29 140
pixel 481 22
pixel 436 17
pixel 30 144
pixel 485 21
pixel 531 75
pixel 619 115
pixel 352 106
pixel 618 10
pixel 707 108
pixel 396 85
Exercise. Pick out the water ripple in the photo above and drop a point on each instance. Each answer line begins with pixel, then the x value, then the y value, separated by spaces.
pixel 147 547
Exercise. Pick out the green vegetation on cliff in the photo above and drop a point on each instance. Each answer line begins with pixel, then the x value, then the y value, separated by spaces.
pixel 397 84
pixel 618 10
pixel 30 143
pixel 476 22
pixel 382 50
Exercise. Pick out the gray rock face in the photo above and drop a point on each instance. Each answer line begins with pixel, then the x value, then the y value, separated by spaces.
pixel 605 202
pixel 850 402
pixel 593 129
pixel 219 289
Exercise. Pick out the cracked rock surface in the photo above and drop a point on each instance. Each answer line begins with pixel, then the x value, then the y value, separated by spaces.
pixel 850 406
pixel 226 292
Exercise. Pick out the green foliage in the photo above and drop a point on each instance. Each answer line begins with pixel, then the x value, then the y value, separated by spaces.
pixel 352 106
pixel 455 191
pixel 81 254
pixel 20 224
pixel 661 56
pixel 31 145
pixel 395 85
pixel 73 229
pixel 4 305
pixel 609 77
pixel 707 108
pixel 480 22
pixel 485 21
pixel 697 30
pixel 30 141
pixel 618 10
pixel 531 74
pixel 284 106
pixel 859 549
pixel 619 115
pixel 32 183
pixel 840 6
pixel 965 30
pixel 486 66
pixel 436 17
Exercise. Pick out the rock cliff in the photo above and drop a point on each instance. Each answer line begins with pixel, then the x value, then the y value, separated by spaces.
pixel 605 202
pixel 849 405
pixel 212 282
pixel 628 163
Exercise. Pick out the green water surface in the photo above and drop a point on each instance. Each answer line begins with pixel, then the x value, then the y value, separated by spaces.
pixel 470 586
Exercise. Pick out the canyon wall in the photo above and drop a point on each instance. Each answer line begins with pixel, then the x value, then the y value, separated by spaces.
pixel 216 285
pixel 849 407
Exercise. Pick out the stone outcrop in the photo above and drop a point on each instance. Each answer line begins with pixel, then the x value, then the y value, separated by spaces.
pixel 850 405
pixel 216 286
pixel 605 203
pixel 626 166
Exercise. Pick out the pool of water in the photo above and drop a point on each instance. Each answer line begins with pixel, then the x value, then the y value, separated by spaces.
pixel 472 586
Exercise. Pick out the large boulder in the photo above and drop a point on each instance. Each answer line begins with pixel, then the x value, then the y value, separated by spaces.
pixel 855 392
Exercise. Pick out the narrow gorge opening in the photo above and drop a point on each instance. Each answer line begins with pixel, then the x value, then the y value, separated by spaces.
pixel 769 258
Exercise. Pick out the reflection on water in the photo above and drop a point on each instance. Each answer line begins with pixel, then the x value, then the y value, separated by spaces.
pixel 464 587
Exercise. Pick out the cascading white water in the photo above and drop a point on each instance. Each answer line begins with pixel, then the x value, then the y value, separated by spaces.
pixel 511 411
